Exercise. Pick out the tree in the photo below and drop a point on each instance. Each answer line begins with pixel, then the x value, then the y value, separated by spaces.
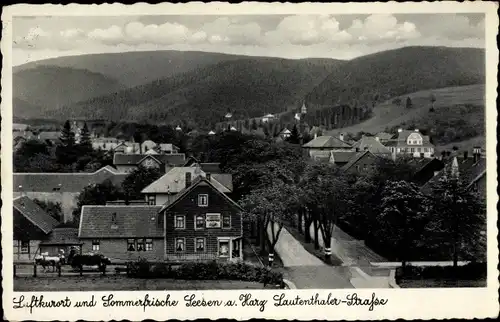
pixel 294 137
pixel 402 218
pixel 67 136
pixel 95 194
pixel 137 180
pixel 324 192
pixel 52 208
pixel 409 104
pixel 458 218
pixel 254 124
pixel 66 151
pixel 85 141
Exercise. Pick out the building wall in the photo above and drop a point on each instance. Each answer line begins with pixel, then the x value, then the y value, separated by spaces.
pixel 116 249
pixel 126 168
pixel 68 200
pixel 188 207
pixel 33 249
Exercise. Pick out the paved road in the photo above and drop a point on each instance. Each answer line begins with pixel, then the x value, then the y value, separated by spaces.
pixel 307 271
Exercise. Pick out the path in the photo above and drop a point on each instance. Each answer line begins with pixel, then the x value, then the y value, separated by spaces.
pixel 307 271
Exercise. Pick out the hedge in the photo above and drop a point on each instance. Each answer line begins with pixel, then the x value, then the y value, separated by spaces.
pixel 212 270
pixel 471 271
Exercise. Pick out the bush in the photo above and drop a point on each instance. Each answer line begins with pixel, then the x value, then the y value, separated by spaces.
pixel 471 271
pixel 212 270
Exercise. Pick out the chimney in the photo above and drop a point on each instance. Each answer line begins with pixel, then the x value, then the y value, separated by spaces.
pixel 208 176
pixel 466 154
pixel 188 179
pixel 400 130
pixel 341 136
pixel 476 153
pixel 315 135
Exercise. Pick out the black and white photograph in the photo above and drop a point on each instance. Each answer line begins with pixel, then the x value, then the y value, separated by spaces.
pixel 272 152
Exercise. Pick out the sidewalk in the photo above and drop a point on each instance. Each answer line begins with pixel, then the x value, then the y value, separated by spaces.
pixel 305 270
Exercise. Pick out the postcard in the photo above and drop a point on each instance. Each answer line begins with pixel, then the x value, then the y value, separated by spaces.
pixel 254 160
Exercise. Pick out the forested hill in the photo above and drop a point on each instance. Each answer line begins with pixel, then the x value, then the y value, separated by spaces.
pixel 375 78
pixel 247 87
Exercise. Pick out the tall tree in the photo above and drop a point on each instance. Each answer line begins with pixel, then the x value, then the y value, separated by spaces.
pixel 85 141
pixel 67 136
pixel 458 220
pixel 403 216
pixel 294 136
pixel 137 180
pixel 409 103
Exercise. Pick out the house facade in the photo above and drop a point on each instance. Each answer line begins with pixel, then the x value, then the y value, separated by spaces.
pixel 62 188
pixel 411 143
pixel 125 162
pixel 32 225
pixel 199 223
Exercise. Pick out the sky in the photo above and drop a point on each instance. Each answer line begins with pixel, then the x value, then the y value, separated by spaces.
pixel 289 36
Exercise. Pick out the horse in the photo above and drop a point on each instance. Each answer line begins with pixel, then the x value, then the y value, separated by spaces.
pixel 49 261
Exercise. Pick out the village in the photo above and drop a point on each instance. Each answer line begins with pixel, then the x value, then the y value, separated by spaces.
pixel 318 211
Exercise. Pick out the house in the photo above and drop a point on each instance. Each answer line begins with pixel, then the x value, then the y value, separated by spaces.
pixel 165 189
pixel 470 169
pixel 384 137
pixel 200 223
pixel 125 162
pixel 361 162
pixel 425 169
pixel 267 118
pixel 60 241
pixel 49 136
pixel 340 158
pixel 32 225
pixel 411 143
pixel 285 134
pixel 371 144
pixel 63 188
pixel 168 148
pixel 147 145
pixel 314 147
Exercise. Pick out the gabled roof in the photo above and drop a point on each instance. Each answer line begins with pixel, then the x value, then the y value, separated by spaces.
pixel 134 159
pixel 63 236
pixel 35 214
pixel 342 156
pixel 401 137
pixel 200 180
pixel 285 131
pixel 468 171
pixel 128 222
pixel 358 156
pixel 64 182
pixel 174 181
pixel 371 143
pixel 326 141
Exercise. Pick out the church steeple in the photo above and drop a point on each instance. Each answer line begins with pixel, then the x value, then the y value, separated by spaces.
pixel 303 109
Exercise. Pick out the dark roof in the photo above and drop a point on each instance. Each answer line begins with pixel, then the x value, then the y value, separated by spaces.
pixel 200 180
pixel 356 158
pixel 421 163
pixel 326 141
pixel 468 171
pixel 130 221
pixel 342 157
pixel 173 158
pixel 67 182
pixel 35 214
pixel 384 135
pixel 213 167
pixel 372 144
pixel 63 236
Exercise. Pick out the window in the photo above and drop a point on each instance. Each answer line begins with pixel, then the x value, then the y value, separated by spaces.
pixel 152 200
pixel 180 222
pixel 199 221
pixel 179 245
pixel 213 220
pixel 412 150
pixel 203 200
pixel 200 244
pixel 140 245
pixel 226 221
pixel 25 246
pixel 223 248
pixel 426 149
pixel 149 244
pixel 131 245
pixel 95 245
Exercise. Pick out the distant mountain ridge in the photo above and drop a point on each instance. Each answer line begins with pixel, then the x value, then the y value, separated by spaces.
pixel 205 86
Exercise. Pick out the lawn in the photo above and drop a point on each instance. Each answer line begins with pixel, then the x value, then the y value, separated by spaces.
pixel 123 283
